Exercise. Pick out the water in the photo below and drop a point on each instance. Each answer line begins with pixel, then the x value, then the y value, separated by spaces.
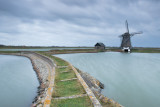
pixel 133 79
pixel 18 81
pixel 43 49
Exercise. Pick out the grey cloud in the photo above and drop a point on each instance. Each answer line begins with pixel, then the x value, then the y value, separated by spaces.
pixel 79 20
pixel 82 3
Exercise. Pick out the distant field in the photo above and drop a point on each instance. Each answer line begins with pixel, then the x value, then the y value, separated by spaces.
pixel 64 50
pixel 146 50
pixel 137 49
pixel 36 47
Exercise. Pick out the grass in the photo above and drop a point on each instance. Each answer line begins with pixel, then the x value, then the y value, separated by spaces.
pixel 76 102
pixel 68 88
pixel 146 50
pixel 79 50
pixel 65 51
pixel 7 52
pixel 60 62
pixel 35 47
pixel 66 75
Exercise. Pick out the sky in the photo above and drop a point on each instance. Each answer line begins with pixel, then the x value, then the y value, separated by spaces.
pixel 78 22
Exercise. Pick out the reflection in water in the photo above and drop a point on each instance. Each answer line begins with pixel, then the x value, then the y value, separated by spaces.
pixel 130 79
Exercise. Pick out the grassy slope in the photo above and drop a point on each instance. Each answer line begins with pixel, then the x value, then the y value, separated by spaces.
pixel 77 102
pixel 71 88
pixel 67 88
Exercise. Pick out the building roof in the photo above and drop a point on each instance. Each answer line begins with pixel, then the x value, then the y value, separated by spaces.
pixel 99 44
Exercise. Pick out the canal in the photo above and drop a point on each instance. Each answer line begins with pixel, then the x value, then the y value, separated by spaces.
pixel 130 79
pixel 18 81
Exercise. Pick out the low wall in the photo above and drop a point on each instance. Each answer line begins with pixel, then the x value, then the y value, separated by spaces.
pixel 89 92
pixel 92 82
pixel 45 93
pixel 96 86
pixel 45 58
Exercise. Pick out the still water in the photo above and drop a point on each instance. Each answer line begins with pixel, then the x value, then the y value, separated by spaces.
pixel 132 79
pixel 18 81
pixel 46 49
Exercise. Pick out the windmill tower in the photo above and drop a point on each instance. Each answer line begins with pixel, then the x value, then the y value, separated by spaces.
pixel 126 39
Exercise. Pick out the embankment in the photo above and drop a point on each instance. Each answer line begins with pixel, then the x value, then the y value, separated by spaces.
pixel 44 68
pixel 96 86
pixel 93 88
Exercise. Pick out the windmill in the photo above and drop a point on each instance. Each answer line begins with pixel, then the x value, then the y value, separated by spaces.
pixel 126 39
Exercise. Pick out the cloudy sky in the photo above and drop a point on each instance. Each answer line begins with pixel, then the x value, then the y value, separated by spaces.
pixel 78 22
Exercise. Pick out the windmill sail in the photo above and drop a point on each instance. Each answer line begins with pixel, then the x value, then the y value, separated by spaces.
pixel 132 34
pixel 127 26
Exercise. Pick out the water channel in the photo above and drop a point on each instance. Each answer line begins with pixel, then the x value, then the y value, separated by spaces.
pixel 18 81
pixel 132 79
